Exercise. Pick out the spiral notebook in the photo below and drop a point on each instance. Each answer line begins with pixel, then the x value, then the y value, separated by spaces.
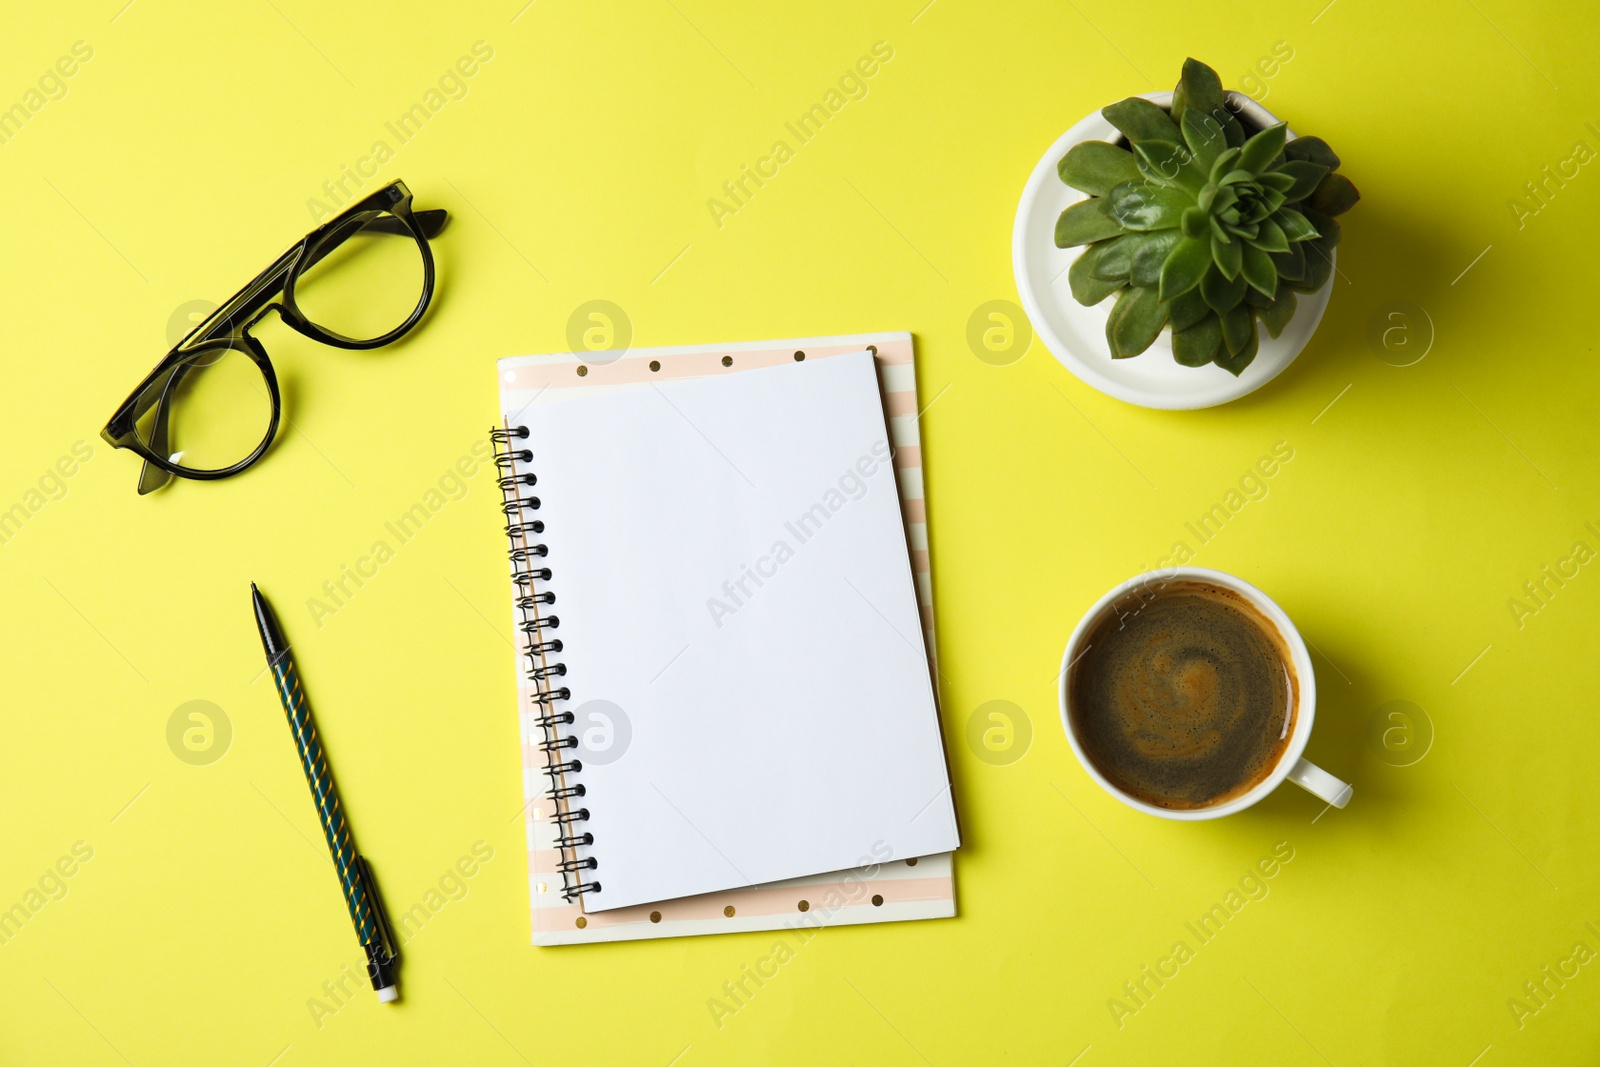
pixel 720 589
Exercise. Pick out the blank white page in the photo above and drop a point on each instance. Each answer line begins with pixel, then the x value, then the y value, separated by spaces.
pixel 731 572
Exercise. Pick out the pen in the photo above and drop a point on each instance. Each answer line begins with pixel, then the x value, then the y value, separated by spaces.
pixel 355 876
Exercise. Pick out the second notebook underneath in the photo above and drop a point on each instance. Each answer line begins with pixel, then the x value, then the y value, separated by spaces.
pixel 733 583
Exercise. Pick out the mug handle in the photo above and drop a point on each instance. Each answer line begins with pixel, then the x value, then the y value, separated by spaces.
pixel 1320 783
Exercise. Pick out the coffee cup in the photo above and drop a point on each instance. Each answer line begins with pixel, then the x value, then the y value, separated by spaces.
pixel 1187 681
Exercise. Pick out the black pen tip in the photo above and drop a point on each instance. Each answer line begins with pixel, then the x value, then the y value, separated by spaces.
pixel 254 590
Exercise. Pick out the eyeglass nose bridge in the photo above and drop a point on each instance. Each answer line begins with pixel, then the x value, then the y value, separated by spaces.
pixel 243 332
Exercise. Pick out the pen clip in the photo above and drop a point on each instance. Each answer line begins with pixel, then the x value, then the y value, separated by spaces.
pixel 391 944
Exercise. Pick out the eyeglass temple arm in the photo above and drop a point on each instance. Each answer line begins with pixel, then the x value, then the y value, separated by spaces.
pixel 432 222
pixel 152 477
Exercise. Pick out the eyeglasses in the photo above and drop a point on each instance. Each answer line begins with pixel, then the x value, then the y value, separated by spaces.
pixel 211 408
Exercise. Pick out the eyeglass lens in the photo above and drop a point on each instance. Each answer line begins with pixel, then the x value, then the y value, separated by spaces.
pixel 365 277
pixel 210 413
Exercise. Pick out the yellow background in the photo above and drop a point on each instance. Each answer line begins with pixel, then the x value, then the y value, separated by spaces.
pixel 578 167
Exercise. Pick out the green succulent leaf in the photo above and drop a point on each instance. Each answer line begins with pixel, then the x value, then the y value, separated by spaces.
pixel 1221 293
pixel 1150 254
pixel 1319 266
pixel 1303 177
pixel 1223 119
pixel 1115 259
pixel 1295 226
pixel 1228 256
pixel 1253 298
pixel 1171 165
pixel 1225 162
pixel 1092 291
pixel 1334 195
pixel 1236 362
pixel 1197 344
pixel 1238 324
pixel 1312 150
pixel 1087 222
pixel 1234 177
pixel 1187 263
pixel 1136 320
pixel 1142 206
pixel 1096 167
pixel 1276 180
pixel 1235 130
pixel 1138 119
pixel 1086 288
pixel 1204 136
pixel 1328 229
pixel 1199 93
pixel 1259 271
pixel 1320 249
pixel 1269 237
pixel 1200 87
pixel 1194 222
pixel 1187 309
pixel 1277 316
pixel 1291 264
pixel 1259 151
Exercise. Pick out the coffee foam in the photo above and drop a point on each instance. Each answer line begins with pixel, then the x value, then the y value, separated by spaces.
pixel 1185 695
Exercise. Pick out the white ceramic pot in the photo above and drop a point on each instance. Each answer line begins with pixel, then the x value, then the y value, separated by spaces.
pixel 1077 334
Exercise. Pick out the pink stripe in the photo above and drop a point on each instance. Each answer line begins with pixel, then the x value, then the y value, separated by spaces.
pixel 915 509
pixel 902 403
pixel 634 367
pixel 908 457
pixel 895 353
pixel 919 560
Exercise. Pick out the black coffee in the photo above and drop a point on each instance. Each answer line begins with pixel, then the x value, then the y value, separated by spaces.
pixel 1184 696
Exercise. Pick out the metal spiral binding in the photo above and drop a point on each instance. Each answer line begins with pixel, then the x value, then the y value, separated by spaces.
pixel 520 527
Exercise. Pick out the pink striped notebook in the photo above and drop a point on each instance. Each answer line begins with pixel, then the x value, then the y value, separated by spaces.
pixel 582 749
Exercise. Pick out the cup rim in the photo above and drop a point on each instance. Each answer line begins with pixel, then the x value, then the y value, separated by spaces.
pixel 1305 676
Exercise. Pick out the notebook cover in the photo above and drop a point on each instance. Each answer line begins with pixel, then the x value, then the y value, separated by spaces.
pixel 880 890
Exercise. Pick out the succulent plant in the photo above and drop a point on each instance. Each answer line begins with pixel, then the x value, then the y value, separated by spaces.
pixel 1200 223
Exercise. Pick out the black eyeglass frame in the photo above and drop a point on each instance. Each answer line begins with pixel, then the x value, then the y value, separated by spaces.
pixel 228 328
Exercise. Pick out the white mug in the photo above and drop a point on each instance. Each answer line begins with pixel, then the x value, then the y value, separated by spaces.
pixel 1290 765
